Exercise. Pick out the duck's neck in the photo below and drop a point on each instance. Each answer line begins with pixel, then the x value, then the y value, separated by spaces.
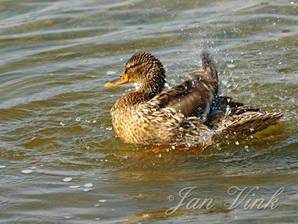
pixel 146 92
pixel 151 88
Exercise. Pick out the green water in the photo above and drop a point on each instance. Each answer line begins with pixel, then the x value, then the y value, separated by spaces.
pixel 54 111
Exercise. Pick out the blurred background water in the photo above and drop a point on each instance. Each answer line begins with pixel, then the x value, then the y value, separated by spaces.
pixel 59 159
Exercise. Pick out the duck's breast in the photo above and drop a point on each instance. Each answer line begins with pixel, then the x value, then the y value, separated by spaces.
pixel 144 124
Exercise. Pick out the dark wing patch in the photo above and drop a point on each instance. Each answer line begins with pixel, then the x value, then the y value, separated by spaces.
pixel 190 98
pixel 193 96
pixel 223 107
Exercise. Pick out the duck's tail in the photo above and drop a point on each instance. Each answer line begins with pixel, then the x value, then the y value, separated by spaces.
pixel 246 123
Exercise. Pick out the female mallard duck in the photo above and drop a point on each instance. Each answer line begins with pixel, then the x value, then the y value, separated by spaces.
pixel 191 113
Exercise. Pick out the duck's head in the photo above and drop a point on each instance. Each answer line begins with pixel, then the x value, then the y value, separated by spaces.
pixel 143 69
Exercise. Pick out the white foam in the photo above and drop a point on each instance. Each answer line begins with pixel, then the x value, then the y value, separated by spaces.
pixel 231 65
pixel 111 72
pixel 88 185
pixel 67 179
pixel 27 171
pixel 87 189
pixel 74 186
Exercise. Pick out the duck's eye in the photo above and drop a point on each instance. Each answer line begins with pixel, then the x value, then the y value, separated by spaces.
pixel 126 69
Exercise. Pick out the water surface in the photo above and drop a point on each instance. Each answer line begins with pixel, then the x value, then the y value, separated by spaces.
pixel 59 159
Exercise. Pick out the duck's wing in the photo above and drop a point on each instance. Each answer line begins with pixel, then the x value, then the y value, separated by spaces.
pixel 193 96
pixel 247 123
pixel 232 118
pixel 224 106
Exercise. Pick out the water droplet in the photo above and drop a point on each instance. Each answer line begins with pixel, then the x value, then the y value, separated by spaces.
pixel 27 171
pixel 136 86
pixel 109 128
pixel 228 110
pixel 2 166
pixel 67 179
pixel 67 217
pixel 78 119
pixel 97 219
pixel 94 121
pixel 236 143
pixel 102 200
pixel 88 185
pixel 87 189
pixel 74 186
pixel 111 72
pixel 146 215
pixel 231 65
pixel 62 124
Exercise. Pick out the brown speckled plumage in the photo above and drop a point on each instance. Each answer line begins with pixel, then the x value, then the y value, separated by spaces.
pixel 191 113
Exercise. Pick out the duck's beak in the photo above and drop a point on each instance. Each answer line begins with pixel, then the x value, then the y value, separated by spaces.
pixel 117 82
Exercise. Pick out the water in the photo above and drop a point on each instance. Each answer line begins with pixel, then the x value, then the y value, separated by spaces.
pixel 59 159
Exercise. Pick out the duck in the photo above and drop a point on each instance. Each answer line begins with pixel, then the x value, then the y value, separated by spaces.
pixel 192 113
